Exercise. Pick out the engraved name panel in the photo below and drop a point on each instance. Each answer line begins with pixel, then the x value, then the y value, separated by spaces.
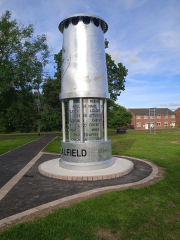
pixel 92 119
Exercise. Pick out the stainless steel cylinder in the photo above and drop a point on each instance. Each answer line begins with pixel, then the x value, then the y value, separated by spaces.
pixel 84 72
pixel 84 86
pixel 86 156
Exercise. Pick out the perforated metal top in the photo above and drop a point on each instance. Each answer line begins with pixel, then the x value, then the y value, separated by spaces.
pixel 61 25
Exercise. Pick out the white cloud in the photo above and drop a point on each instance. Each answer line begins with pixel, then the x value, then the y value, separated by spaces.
pixel 171 39
pixel 174 104
pixel 163 104
pixel 132 3
pixel 116 56
pixel 133 58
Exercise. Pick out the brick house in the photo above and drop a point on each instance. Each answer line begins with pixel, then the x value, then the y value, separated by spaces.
pixel 177 112
pixel 164 117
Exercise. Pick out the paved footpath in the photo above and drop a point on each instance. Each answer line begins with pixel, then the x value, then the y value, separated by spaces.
pixel 31 191
pixel 12 162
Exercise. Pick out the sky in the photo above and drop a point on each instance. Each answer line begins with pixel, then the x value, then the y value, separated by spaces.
pixel 143 34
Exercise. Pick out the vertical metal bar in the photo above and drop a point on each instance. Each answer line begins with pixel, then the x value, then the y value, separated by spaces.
pixel 69 121
pixel 99 107
pixel 39 118
pixel 38 113
pixel 81 120
pixel 63 122
pixel 105 119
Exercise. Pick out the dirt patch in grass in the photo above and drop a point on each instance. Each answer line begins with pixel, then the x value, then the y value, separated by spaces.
pixel 113 138
pixel 108 234
pixel 176 142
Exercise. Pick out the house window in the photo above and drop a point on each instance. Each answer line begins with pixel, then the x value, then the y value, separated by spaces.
pixel 151 117
pixel 145 116
pixel 165 116
pixel 138 117
pixel 165 124
pixel 158 116
pixel 172 116
pixel 158 124
pixel 138 124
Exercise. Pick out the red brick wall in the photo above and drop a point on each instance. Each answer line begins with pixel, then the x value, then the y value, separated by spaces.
pixel 177 116
pixel 162 120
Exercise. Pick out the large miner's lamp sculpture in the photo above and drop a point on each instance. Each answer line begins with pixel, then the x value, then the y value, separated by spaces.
pixel 84 86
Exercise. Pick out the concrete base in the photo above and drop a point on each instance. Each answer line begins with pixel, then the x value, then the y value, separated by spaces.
pixel 120 167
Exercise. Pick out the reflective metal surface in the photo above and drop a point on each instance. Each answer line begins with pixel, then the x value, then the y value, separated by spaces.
pixel 84 84
pixel 86 156
pixel 92 119
pixel 63 122
pixel 83 70
pixel 86 166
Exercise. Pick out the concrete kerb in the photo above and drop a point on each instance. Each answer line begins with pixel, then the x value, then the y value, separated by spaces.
pixel 17 218
pixel 120 168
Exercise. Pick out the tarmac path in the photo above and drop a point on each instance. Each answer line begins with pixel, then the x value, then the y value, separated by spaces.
pixel 12 162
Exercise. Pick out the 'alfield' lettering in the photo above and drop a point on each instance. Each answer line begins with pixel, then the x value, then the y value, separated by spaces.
pixel 74 152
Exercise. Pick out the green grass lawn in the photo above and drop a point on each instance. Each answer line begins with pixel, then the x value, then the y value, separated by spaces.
pixel 9 143
pixel 54 146
pixel 149 213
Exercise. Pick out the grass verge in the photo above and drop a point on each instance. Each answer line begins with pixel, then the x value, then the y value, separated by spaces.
pixel 9 143
pixel 54 146
pixel 149 213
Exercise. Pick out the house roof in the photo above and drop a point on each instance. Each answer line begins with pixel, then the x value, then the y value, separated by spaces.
pixel 145 111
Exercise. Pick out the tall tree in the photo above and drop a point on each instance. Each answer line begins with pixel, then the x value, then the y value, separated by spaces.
pixel 51 114
pixel 22 60
pixel 116 76
pixel 118 116
pixel 58 60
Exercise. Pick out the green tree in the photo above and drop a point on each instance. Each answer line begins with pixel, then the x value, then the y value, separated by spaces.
pixel 51 114
pixel 118 116
pixel 58 60
pixel 116 76
pixel 22 60
pixel 116 73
